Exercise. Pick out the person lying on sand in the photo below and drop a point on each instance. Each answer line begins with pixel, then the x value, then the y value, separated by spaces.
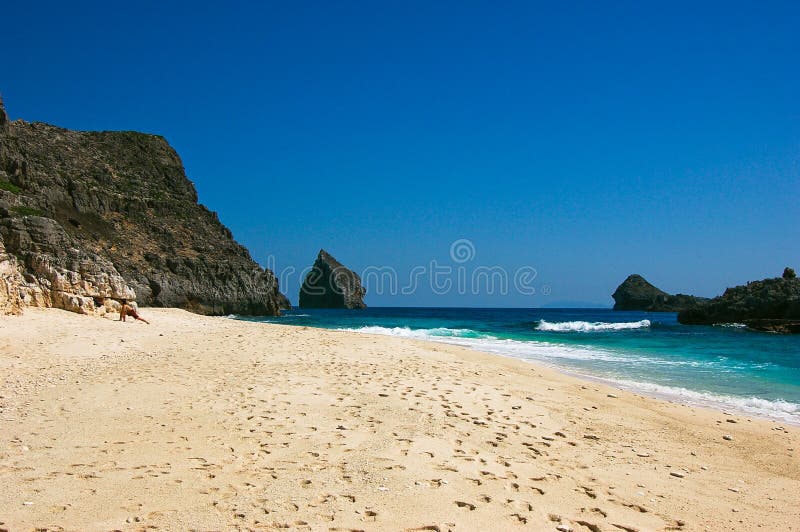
pixel 128 310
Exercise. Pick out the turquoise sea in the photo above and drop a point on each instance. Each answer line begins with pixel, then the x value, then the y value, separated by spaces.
pixel 725 367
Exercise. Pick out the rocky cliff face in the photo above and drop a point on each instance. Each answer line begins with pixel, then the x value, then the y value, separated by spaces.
pixel 635 293
pixel 768 305
pixel 330 285
pixel 42 267
pixel 101 215
pixel 3 116
pixel 284 303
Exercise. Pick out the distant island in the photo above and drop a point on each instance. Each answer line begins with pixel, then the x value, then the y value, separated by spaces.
pixel 88 218
pixel 770 305
pixel 636 293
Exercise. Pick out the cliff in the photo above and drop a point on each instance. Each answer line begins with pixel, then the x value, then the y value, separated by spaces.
pixel 86 217
pixel 635 293
pixel 330 285
pixel 768 305
pixel 284 303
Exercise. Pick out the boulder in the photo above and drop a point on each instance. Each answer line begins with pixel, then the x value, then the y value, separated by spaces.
pixel 331 285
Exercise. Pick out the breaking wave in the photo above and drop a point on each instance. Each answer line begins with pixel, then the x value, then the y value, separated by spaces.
pixel 424 334
pixel 564 356
pixel 775 409
pixel 587 326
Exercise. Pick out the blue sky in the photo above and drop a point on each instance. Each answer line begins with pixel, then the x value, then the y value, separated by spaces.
pixel 587 141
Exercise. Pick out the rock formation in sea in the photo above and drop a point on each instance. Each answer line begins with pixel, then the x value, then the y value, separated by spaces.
pixel 330 285
pixel 635 293
pixel 768 305
pixel 88 217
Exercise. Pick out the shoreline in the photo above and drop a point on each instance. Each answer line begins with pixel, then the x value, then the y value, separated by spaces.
pixel 717 407
pixel 216 423
pixel 677 395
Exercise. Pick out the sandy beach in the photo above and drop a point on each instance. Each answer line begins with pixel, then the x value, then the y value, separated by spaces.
pixel 198 423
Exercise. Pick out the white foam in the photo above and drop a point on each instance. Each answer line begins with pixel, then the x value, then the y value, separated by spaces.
pixel 437 333
pixel 775 409
pixel 559 355
pixel 543 351
pixel 547 352
pixel 587 326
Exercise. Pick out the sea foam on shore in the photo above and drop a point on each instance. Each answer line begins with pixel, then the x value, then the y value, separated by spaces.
pixel 585 361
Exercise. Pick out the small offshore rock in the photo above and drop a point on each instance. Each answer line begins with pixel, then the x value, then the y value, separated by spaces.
pixel 330 285
pixel 635 293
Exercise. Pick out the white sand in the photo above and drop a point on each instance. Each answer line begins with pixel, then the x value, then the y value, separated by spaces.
pixel 208 423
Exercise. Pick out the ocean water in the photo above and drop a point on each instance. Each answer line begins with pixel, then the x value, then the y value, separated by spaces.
pixel 724 367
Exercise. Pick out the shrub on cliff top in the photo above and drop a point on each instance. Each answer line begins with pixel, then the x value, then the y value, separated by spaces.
pixel 788 273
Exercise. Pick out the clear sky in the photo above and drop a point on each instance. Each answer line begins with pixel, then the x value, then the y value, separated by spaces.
pixel 585 140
